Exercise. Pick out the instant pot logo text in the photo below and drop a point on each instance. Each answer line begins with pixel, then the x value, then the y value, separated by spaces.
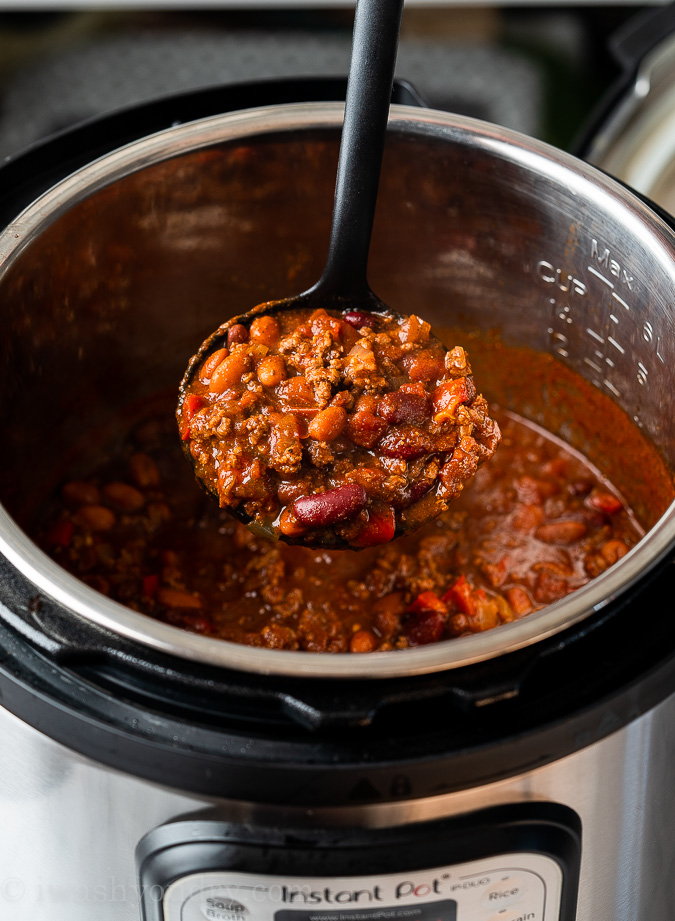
pixel 406 889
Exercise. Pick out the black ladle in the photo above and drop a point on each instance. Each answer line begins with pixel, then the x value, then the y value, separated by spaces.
pixel 343 285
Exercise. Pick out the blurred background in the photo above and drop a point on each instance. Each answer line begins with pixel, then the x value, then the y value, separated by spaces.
pixel 537 68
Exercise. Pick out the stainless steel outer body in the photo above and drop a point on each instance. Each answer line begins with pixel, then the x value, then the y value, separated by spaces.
pixel 113 277
pixel 70 826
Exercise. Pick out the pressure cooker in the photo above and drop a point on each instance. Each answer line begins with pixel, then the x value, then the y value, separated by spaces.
pixel 523 774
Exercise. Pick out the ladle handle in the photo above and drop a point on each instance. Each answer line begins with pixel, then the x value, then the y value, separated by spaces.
pixel 371 76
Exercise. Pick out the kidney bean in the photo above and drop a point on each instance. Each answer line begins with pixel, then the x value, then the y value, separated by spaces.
pixel 519 600
pixel 237 334
pixel 406 442
pixel 357 319
pixel 175 598
pixel 561 532
pixel 328 424
pixel 363 641
pixel 211 364
pixel 124 497
pixel 271 371
pixel 327 508
pixel 365 429
pixel 79 492
pixel 230 371
pixel 265 330
pixel 144 471
pixel 95 518
pixel 399 406
pixel 427 617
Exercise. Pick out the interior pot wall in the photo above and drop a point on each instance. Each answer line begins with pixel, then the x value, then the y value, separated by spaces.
pixel 102 309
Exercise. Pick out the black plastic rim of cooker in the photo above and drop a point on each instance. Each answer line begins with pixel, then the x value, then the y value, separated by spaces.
pixel 309 741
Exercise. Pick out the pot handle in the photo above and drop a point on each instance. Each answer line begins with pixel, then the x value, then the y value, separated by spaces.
pixel 629 45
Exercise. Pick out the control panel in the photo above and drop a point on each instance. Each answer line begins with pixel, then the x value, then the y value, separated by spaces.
pixel 505 865
pixel 517 887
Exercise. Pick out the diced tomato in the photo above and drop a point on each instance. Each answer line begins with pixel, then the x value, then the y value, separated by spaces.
pixel 428 601
pixel 447 397
pixel 461 595
pixel 605 502
pixel 61 533
pixel 193 403
pixel 150 585
pixel 379 529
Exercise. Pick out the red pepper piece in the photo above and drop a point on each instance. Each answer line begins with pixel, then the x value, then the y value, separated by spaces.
pixel 447 397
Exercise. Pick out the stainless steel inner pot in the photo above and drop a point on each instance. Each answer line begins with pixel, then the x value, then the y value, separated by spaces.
pixel 110 281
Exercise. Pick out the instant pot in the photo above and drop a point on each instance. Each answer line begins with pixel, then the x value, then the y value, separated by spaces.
pixel 524 774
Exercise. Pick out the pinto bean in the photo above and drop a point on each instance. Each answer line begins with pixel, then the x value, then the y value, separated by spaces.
pixel 265 330
pixel 237 334
pixel 328 424
pixel 519 600
pixel 327 508
pixel 124 497
pixel 365 429
pixel 144 471
pixel 79 492
pixel 289 524
pixel 211 364
pixel 561 532
pixel 95 518
pixel 613 550
pixel 363 641
pixel 271 371
pixel 230 371
pixel 175 598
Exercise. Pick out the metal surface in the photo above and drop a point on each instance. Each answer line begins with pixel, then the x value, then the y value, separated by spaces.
pixel 637 142
pixel 537 245
pixel 74 824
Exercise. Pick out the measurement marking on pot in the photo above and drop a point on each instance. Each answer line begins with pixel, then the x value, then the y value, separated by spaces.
pixel 616 345
pixel 593 365
pixel 620 300
pixel 596 336
pixel 599 275
pixel 613 318
pixel 610 386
